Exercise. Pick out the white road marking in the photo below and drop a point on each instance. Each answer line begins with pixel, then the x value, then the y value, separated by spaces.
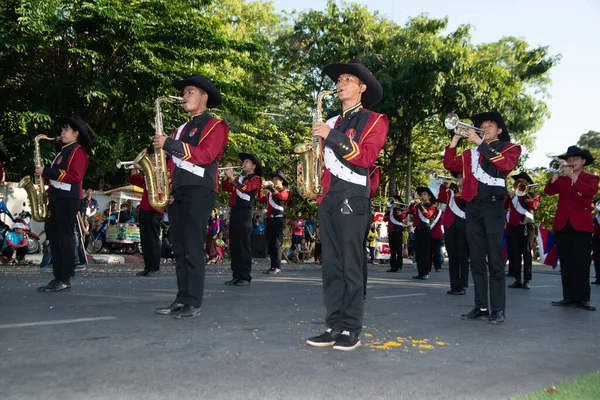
pixel 57 322
pixel 400 295
pixel 539 286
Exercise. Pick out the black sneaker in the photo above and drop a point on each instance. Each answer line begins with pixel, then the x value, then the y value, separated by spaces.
pixel 326 339
pixel 242 282
pixel 232 282
pixel 171 309
pixel 393 270
pixel 458 292
pixel 188 311
pixel 422 277
pixel 497 317
pixel 347 341
pixel 516 285
pixel 476 313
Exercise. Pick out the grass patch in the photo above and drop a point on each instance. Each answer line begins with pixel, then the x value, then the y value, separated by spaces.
pixel 582 388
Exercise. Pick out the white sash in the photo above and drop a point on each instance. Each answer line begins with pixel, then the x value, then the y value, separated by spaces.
pixel 394 220
pixel 241 194
pixel 61 185
pixel 598 217
pixel 331 121
pixel 517 205
pixel 179 130
pixel 480 174
pixel 422 217
pixel 340 170
pixel 437 218
pixel 273 204
pixel 455 208
pixel 188 166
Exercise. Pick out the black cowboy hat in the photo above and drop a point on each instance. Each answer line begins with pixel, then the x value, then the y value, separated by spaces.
pixel 456 173
pixel 396 197
pixel 372 95
pixel 79 125
pixel 574 151
pixel 480 118
pixel 259 170
pixel 202 82
pixel 523 175
pixel 279 173
pixel 422 189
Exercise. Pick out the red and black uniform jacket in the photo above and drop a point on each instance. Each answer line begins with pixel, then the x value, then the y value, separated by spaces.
pixel 528 203
pixel 195 149
pixel 398 216
pixel 66 172
pixel 356 140
pixel 243 190
pixel 574 201
pixel 280 200
pixel 496 158
pixel 444 197
pixel 428 210
pixel 139 180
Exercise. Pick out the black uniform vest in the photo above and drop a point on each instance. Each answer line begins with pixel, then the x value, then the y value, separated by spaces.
pixel 241 203
pixel 485 192
pixel 62 162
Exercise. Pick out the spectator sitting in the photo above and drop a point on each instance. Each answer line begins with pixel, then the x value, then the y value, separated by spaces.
pixel 125 214
pixel 289 255
pixel 258 227
pixel 15 243
pixel 303 251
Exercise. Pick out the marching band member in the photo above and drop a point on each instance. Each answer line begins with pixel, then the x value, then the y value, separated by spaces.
pixel 276 201
pixel 437 238
pixel 243 190
pixel 573 225
pixel 65 194
pixel 454 234
pixel 596 242
pixel 394 217
pixel 196 148
pixel 350 149
pixel 520 231
pixel 423 210
pixel 485 168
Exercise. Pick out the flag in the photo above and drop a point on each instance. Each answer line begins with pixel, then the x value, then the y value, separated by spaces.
pixel 547 247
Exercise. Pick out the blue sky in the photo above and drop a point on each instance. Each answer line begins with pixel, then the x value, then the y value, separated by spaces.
pixel 570 28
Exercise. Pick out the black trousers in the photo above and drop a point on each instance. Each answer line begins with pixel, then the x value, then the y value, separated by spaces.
pixel 436 253
pixel 240 247
pixel 423 249
pixel 511 268
pixel 521 242
pixel 150 238
pixel 596 247
pixel 484 230
pixel 9 251
pixel 396 260
pixel 343 246
pixel 274 232
pixel 458 254
pixel 575 254
pixel 188 218
pixel 61 225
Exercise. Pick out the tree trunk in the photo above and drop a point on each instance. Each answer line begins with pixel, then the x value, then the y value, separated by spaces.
pixel 408 166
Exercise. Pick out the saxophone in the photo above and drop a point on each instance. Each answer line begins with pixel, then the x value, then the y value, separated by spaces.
pixel 36 190
pixel 310 167
pixel 156 173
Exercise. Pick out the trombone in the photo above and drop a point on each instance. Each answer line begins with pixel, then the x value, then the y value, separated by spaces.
pixel 452 122
pixel 125 164
pixel 522 188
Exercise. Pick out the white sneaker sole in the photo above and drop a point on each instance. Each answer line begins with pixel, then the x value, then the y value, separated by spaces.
pixel 346 348
pixel 320 344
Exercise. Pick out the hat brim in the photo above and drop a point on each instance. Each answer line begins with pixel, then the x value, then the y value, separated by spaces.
pixel 259 170
pixel 480 118
pixel 281 176
pixel 421 189
pixel 585 154
pixel 202 82
pixel 374 92
pixel 523 175
pixel 79 125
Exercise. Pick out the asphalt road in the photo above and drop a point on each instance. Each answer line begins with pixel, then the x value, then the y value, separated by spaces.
pixel 102 341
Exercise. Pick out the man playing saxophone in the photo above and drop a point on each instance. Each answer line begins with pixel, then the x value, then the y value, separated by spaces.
pixel 65 194
pixel 195 149
pixel 351 145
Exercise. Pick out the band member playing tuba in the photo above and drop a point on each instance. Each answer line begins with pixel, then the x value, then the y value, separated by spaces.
pixel 424 214
pixel 195 149
pixel 352 144
pixel 65 194
pixel 276 199
pixel 520 230
pixel 485 167
pixel 454 234
pixel 574 226
pixel 394 217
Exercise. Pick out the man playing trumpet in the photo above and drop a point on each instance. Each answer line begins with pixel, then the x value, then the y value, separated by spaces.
pixel 485 168
pixel 394 217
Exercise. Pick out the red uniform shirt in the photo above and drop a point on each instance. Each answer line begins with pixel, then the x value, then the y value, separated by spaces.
pixel 139 180
pixel 427 212
pixel 284 195
pixel 400 217
pixel 254 184
pixel 444 197
pixel 529 203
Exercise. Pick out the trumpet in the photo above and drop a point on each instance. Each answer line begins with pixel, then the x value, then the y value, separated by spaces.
pixel 394 203
pixel 556 166
pixel 522 188
pixel 439 179
pixel 125 164
pixel 452 122
pixel 223 169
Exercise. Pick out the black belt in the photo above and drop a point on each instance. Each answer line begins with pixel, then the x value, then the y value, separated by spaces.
pixel 488 199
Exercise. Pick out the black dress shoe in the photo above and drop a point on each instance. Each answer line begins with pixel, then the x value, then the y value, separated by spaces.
pixel 242 282
pixel 422 277
pixel 526 286
pixel 50 285
pixel 510 274
pixel 393 270
pixel 562 303
pixel 232 282
pixel 516 285
pixel 141 273
pixel 173 308
pixel 475 314
pixel 188 311
pixel 456 292
pixel 55 286
pixel 586 306
pixel 497 317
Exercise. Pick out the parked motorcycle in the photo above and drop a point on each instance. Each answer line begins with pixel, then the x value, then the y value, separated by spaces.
pixel 33 239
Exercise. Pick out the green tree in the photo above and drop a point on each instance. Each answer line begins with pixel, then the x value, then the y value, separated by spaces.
pixel 591 141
